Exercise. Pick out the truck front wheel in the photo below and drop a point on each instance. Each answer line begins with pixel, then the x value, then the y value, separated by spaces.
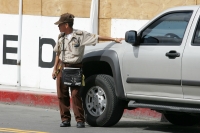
pixel 102 107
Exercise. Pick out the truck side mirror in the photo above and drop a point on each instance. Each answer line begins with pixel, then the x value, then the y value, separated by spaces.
pixel 131 37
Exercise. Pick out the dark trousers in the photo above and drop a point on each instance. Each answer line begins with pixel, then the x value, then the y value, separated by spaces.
pixel 64 101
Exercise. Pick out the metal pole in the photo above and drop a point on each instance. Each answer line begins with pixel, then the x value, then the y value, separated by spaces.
pixel 19 45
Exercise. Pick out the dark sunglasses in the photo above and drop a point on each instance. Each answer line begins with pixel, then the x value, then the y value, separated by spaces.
pixel 61 24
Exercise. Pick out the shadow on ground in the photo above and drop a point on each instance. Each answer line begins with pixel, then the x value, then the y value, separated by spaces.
pixel 164 127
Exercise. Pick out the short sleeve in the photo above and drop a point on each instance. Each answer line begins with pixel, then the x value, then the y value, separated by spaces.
pixel 89 39
pixel 57 47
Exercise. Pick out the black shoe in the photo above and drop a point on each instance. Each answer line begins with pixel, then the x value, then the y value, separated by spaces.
pixel 80 125
pixel 65 124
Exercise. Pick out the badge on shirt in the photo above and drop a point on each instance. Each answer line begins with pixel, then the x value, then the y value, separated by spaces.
pixel 77 42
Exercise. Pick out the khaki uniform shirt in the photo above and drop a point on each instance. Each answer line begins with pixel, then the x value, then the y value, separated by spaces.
pixel 74 47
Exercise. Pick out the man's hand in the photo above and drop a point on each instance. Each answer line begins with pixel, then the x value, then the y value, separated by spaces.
pixel 118 40
pixel 53 74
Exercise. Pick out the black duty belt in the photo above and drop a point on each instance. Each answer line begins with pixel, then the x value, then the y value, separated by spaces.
pixel 73 65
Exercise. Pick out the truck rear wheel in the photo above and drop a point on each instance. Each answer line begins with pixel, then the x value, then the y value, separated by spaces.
pixel 102 107
pixel 182 119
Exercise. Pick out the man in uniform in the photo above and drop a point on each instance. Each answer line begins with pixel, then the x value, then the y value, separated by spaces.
pixel 74 44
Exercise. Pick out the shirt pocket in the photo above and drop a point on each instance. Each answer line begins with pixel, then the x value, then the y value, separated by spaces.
pixel 76 49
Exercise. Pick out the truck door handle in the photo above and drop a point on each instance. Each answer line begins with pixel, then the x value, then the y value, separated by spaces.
pixel 172 54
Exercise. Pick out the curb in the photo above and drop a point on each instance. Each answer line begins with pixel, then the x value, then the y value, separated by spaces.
pixel 143 113
pixel 46 100
pixel 28 98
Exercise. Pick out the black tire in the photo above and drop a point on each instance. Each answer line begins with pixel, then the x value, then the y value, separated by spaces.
pixel 113 110
pixel 182 119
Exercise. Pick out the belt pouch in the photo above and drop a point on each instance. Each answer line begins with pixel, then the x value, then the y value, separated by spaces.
pixel 72 76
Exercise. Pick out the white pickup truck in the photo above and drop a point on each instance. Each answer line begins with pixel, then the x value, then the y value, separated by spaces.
pixel 157 67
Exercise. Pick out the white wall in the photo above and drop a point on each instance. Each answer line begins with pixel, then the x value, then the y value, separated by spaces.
pixel 120 26
pixel 33 28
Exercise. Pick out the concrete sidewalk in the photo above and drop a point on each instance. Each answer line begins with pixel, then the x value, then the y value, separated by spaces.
pixel 47 99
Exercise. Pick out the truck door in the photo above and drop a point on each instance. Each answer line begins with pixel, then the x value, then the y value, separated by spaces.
pixel 154 67
pixel 191 62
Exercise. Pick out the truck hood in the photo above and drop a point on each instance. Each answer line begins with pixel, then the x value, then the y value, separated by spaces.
pixel 102 46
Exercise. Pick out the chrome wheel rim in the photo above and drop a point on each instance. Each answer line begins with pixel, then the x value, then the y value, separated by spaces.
pixel 96 101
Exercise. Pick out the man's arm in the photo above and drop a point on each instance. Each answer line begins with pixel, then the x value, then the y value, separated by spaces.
pixel 104 38
pixel 55 65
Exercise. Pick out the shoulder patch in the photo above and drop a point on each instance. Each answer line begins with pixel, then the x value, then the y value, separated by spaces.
pixel 79 32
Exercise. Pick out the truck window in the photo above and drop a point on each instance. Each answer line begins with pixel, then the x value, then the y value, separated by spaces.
pixel 196 38
pixel 167 30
